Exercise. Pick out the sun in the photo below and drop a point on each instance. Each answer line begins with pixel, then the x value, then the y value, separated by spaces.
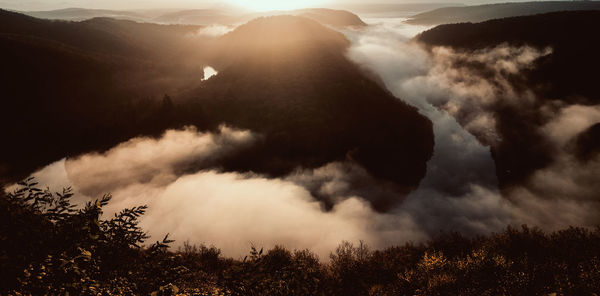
pixel 268 5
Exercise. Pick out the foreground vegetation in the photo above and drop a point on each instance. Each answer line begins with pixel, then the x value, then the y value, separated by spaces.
pixel 51 248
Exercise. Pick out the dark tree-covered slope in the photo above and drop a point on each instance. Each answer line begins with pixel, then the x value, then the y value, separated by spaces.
pixel 102 35
pixel 288 78
pixel 565 77
pixel 574 59
pixel 86 86
pixel 338 18
pixel 79 14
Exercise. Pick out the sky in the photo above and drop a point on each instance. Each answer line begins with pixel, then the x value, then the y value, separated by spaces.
pixel 154 4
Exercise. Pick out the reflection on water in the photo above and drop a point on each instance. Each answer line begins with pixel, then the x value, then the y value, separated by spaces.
pixel 209 72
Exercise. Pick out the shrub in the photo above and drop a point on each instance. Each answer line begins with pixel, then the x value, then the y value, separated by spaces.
pixel 50 247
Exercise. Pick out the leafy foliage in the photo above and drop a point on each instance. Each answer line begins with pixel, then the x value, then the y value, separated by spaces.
pixel 51 247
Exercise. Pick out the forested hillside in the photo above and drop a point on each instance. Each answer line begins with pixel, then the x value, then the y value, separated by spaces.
pixel 86 85
pixel 288 79
pixel 564 77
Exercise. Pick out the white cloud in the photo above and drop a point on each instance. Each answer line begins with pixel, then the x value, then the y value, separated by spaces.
pixel 147 160
pixel 228 210
pixel 571 121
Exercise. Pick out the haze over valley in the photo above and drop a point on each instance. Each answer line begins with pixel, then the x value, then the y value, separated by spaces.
pixel 325 127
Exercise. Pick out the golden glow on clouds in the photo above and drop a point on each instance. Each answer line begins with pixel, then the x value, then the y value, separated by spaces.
pixel 267 5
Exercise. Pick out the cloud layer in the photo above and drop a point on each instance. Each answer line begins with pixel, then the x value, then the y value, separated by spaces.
pixel 459 192
pixel 228 210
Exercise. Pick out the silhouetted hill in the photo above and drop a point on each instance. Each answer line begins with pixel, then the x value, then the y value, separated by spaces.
pixel 288 78
pixel 90 85
pixel 84 86
pixel 376 9
pixel 104 35
pixel 479 13
pixel 574 48
pixel 285 36
pixel 566 76
pixel 338 18
pixel 79 14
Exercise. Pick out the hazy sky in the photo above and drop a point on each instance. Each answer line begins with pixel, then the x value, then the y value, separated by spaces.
pixel 152 4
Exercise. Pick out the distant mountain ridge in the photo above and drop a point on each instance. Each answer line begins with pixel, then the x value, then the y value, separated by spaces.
pixel 79 14
pixel 340 18
pixel 392 9
pixel 479 13
pixel 87 86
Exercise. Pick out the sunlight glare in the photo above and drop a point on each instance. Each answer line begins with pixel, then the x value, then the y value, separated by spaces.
pixel 268 5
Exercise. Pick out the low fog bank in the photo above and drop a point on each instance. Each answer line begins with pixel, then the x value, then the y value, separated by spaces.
pixel 231 211
pixel 460 191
